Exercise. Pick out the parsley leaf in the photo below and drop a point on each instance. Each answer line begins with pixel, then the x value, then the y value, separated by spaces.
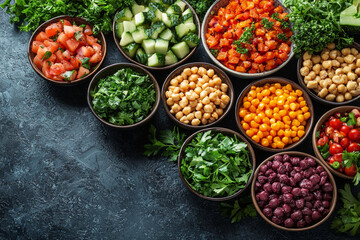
pixel 267 24
pixel 245 37
pixel 85 62
pixel 82 25
pixel 46 55
pixel 238 210
pixel 351 119
pixel 348 216
pixel 324 150
pixel 78 35
pixel 317 134
pixel 282 37
pixel 168 143
pixel 352 158
pixel 214 52
pixel 67 75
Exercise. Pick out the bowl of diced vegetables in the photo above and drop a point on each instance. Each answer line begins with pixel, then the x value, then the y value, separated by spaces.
pixel 65 51
pixel 247 39
pixel 123 96
pixel 216 164
pixel 157 35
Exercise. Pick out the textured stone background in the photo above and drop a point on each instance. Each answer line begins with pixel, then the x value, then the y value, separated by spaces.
pixel 64 175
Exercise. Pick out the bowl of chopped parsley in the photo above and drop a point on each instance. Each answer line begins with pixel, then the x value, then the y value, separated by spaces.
pixel 123 95
pixel 216 164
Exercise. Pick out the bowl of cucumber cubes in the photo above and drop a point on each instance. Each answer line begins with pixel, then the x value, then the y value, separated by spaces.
pixel 157 34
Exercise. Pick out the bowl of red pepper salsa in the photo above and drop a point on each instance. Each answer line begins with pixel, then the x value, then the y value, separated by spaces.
pixel 248 38
pixel 65 50
pixel 336 141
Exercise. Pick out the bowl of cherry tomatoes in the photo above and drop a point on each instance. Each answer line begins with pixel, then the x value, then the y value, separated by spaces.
pixel 336 141
pixel 66 51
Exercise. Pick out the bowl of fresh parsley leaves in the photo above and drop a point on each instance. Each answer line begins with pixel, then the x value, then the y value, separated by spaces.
pixel 216 164
pixel 123 96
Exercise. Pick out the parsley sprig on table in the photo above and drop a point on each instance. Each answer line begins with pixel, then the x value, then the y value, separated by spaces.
pixel 125 98
pixel 216 165
pixel 348 217
pixel 239 209
pixel 351 158
pixel 167 142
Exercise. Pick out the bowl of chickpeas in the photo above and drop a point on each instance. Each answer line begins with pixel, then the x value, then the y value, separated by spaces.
pixel 275 114
pixel 332 76
pixel 197 95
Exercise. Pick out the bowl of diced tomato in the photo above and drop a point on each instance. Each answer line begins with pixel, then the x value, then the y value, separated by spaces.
pixel 65 50
pixel 336 141
pixel 248 39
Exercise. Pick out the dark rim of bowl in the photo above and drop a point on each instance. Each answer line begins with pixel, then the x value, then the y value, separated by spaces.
pixel 31 55
pixel 209 14
pixel 320 122
pixel 198 26
pixel 282 81
pixel 332 181
pixel 313 94
pixel 119 66
pixel 227 132
pixel 224 78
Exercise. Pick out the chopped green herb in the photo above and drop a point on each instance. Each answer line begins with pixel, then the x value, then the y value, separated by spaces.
pixel 284 23
pixel 41 46
pixel 282 37
pixel 61 49
pixel 49 63
pixel 62 20
pixel 78 35
pixel 214 52
pixel 350 159
pixel 85 63
pixel 324 150
pixel 351 119
pixel 317 134
pixel 67 75
pixel 238 210
pixel 46 55
pixel 82 25
pixel 245 37
pixel 267 24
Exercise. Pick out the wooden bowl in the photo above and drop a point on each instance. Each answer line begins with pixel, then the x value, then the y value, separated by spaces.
pixel 117 42
pixel 282 81
pixel 313 94
pixel 213 10
pixel 177 72
pixel 302 155
pixel 321 121
pixel 78 21
pixel 226 132
pixel 110 70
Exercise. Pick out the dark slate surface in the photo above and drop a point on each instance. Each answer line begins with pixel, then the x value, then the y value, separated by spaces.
pixel 64 175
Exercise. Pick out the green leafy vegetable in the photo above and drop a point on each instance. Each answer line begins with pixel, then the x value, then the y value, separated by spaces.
pixel 216 165
pixel 282 37
pixel 31 13
pixel 316 24
pixel 168 143
pixel 214 52
pixel 201 7
pixel 317 134
pixel 351 158
pixel 324 150
pixel 46 55
pixel 159 6
pixel 238 210
pixel 245 37
pixel 168 2
pixel 127 97
pixel 349 119
pixel 266 23
pixel 348 217
pixel 284 24
pixel 85 62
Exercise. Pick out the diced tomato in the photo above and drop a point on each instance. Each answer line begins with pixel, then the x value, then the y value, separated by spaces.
pixel 95 58
pixel 52 46
pixel 41 52
pixel 59 55
pixel 41 37
pixel 283 56
pixel 66 55
pixel 67 23
pixel 62 38
pixel 53 29
pixel 82 71
pixel 260 59
pixel 38 62
pixel 284 47
pixel 52 58
pixel 87 51
pixel 57 69
pixel 88 31
pixel 35 46
pixel 271 44
pixel 67 65
pixel 69 31
pixel 72 77
pixel 222 56
pixel 46 69
pixel 234 60
pixel 72 44
pixel 58 78
pixel 75 62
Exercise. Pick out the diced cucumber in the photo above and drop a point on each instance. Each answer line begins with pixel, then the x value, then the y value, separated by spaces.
pixel 158 26
pixel 126 39
pixel 181 30
pixel 191 40
pixel 139 18
pixel 153 15
pixel 166 34
pixel 170 58
pixel 146 9
pixel 191 27
pixel 174 9
pixel 129 26
pixel 187 11
pixel 137 8
pixel 149 46
pixel 161 46
pixel 170 20
pixel 119 29
pixel 156 60
pixel 181 4
pixel 158 5
pixel 187 16
pixel 141 56
pixel 139 35
pixel 165 18
pixel 181 49
pixel 131 49
pixel 151 33
pixel 124 15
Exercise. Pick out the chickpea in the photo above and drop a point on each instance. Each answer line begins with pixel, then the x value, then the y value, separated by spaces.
pixel 213 96
pixel 174 82
pixel 330 97
pixel 184 76
pixel 192 85
pixel 335 63
pixel 170 101
pixel 352 66
pixel 348 96
pixel 194 70
pixel 205 85
pixel 219 111
pixel 201 82
pixel 184 102
pixel 340 60
pixel 331 46
pixel 337 79
pixel 193 104
pixel 351 85
pixel 217 101
pixel 171 88
pixel 326 83
pixel 312 74
pixel 182 95
pixel 210 72
pixel 208 108
pixel 351 76
pixel 223 105
pixel 225 99
pixel 340 98
pixel 190 116
pixel 325 56
pixel 176 108
pixel 215 115
pixel 307 56
pixel 211 83
pixel 212 120
pixel 317 79
pixel 176 90
pixel 179 115
pixel 195 122
pixel 308 63
pixel 206 100
pixel 358 63
pixel 312 84
pixel 183 119
pixel 316 59
pixel 358 80
pixel 168 94
pixel 198 114
pixel 354 52
pixel 202 71
pixel 307 79
pixel 323 74
pixel 346 69
pixel 316 68
pixel 203 94
pixel 323 93
pixel 345 51
pixel 191 96
pixel 349 58
pixel 333 54
pixel 194 77
pixel 175 97
pixel 208 90
pixel 339 71
pixel 357 56
pixel 331 73
pixel 198 90
pixel 179 78
pixel 199 106
pixel 217 81
pixel 343 65
pixel 332 88
pixel 224 87
pixel 206 115
pixel 304 71
pixel 184 86
pixel 341 88
pixel 355 92
pixel 186 110
pixel 204 121
pixel 206 78
pixel 327 64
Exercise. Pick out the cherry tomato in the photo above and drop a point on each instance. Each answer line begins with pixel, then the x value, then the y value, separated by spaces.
pixel 344 142
pixel 321 142
pixel 350 171
pixel 331 159
pixel 345 129
pixel 338 157
pixel 354 135
pixel 335 148
pixel 336 123
pixel 353 147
